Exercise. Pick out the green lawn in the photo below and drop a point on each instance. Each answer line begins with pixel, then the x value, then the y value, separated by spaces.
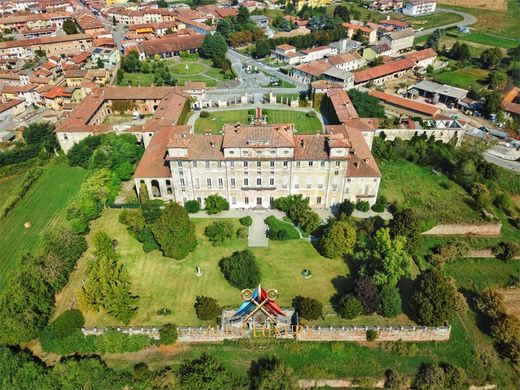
pixel 45 202
pixel 172 284
pixel 463 78
pixel 434 20
pixel 302 122
pixel 191 68
pixel 7 185
pixel 419 188
pixel 486 39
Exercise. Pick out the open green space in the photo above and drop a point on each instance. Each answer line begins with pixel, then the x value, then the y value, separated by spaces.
pixel 166 283
pixel 433 196
pixel 434 20
pixel 486 39
pixel 303 123
pixel 191 68
pixel 44 203
pixel 7 185
pixel 463 78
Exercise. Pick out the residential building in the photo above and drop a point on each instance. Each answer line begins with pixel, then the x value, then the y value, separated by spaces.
pixel 400 107
pixel 347 61
pixel 27 48
pixel 367 33
pixel 399 40
pixel 511 103
pixel 339 76
pixel 11 108
pixel 419 7
pixel 386 5
pixel 298 4
pixel 422 58
pixel 372 52
pixel 286 53
pixel 382 73
pixel 316 53
pixel 394 24
pixel 170 46
pixel 310 71
pixel 109 57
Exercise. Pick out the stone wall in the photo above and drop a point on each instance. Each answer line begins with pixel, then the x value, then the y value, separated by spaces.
pixel 491 229
pixel 152 332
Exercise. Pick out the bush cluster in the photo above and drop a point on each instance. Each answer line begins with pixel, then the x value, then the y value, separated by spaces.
pixel 241 269
pixel 207 308
pixel 307 308
pixel 215 204
pixel 192 206
pixel 246 221
pixel 27 181
pixel 280 230
pixel 219 232
pixel 297 209
pixel 362 205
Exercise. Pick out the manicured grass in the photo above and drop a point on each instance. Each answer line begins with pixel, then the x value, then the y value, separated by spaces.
pixel 480 274
pixel 434 20
pixel 7 185
pixel 167 283
pixel 433 196
pixel 45 203
pixel 303 124
pixel 463 78
pixel 277 225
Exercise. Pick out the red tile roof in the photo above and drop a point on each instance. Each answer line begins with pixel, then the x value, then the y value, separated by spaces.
pixel 382 70
pixel 423 108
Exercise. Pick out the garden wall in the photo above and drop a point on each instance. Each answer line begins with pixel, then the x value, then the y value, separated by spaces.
pixel 152 332
pixel 465 229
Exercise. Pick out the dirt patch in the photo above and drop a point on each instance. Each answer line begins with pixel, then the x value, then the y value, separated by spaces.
pixel 153 355
pixel 512 301
pixel 36 348
pixel 496 5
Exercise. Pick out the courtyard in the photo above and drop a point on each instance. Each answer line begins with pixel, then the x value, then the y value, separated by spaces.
pixel 302 122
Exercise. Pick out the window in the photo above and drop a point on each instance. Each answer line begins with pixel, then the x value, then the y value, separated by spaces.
pixel 271 181
pixel 246 164
pixel 181 173
pixel 194 164
pixel 298 164
pixel 232 164
pixel 246 200
pixel 207 164
pixel 258 181
pixel 285 164
pixel 311 163
pixel 336 173
pixel 183 182
pixel 308 182
pixel 179 164
pixel 322 163
pixel 199 199
pixel 338 163
pixel 233 182
pixel 246 181
pixel 197 182
pixel 220 182
pixel 320 182
pixel 208 182
pixel 271 164
pixel 220 164
pixel 284 182
pixel 318 200
pixel 233 200
pixel 259 164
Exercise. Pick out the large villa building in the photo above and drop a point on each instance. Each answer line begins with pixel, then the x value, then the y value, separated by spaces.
pixel 248 164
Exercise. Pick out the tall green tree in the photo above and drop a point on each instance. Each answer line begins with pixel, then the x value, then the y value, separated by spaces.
pixel 213 46
pixel 390 261
pixel 205 372
pixel 271 374
pixel 174 232
pixel 339 240
pixel 225 27
pixel 405 223
pixel 491 57
pixel 434 40
pixel 70 27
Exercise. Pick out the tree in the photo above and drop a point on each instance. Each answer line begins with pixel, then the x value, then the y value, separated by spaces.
pixel 271 374
pixel 342 12
pixel 243 17
pixel 405 223
pixel 367 293
pixel 507 250
pixel 168 334
pixel 394 380
pixel 215 204
pixel 262 48
pixel 69 27
pixel 433 298
pixel 390 259
pixel 151 210
pixel 366 105
pixel 491 303
pixel 174 232
pixel 481 196
pixel 205 372
pixel 307 308
pixel 390 301
pixel 219 232
pixel 491 57
pixel 443 376
pixel 460 52
pixel 434 40
pixel 496 78
pixel 241 269
pixel 213 46
pixel 339 240
pixel 350 307
pixel 207 308
pixel 162 4
pixel 225 27
pixel 192 206
pixel 493 102
pixel 131 63
pixel 41 134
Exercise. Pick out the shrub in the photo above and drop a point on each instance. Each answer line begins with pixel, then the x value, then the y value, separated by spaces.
pixel 269 373
pixel 204 114
pixel 192 206
pixel 168 334
pixel 219 232
pixel 65 324
pixel 350 307
pixel 339 240
pixel 241 269
pixel 372 335
pixel 362 205
pixel 311 114
pixel 280 230
pixel 450 252
pixel 307 308
pixel 207 308
pixel 367 293
pixel 347 207
pixel 151 210
pixel 390 301
pixel 378 208
pixel 507 250
pixel 242 233
pixel 394 380
pixel 215 204
pixel 246 221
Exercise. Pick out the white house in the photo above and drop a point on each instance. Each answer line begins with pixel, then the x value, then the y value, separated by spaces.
pixel 419 7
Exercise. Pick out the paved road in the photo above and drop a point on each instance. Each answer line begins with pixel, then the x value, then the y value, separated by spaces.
pixel 511 165
pixel 467 21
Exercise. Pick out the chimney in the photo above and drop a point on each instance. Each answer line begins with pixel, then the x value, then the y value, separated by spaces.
pixel 356 164
pixel 302 143
pixel 212 144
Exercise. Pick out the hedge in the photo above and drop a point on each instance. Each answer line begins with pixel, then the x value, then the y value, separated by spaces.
pixel 280 230
pixel 28 180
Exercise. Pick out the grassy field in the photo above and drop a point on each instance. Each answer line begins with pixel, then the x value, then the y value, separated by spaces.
pixel 172 284
pixel 503 22
pixel 302 122
pixel 463 78
pixel 45 202
pixel 433 196
pixel 496 5
pixel 434 20
pixel 485 39
pixel 186 69
pixel 7 185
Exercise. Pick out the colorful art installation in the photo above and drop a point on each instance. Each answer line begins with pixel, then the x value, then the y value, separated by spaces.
pixel 259 301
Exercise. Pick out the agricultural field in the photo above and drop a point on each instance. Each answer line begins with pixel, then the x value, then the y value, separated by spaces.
pixel 167 283
pixel 483 39
pixel 496 5
pixel 191 68
pixel 44 204
pixel 303 123
pixel 463 78
pixel 433 196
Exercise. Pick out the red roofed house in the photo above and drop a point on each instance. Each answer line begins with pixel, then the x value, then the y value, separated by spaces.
pixel 368 33
pixel 422 58
pixel 401 107
pixel 511 103
pixel 286 53
pixel 382 73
